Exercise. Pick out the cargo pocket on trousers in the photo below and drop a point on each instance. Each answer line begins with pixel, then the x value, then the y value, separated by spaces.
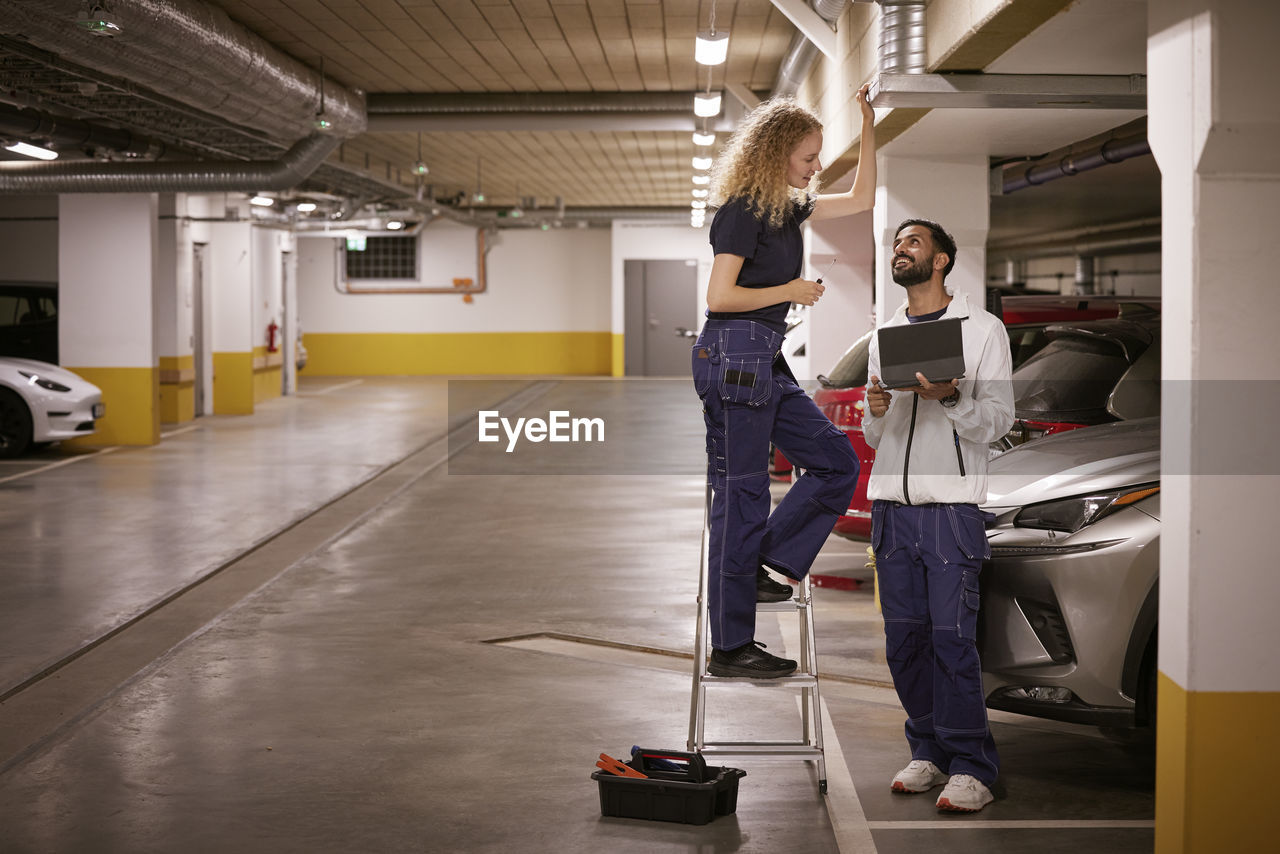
pixel 969 529
pixel 882 540
pixel 703 366
pixel 746 379
pixel 967 608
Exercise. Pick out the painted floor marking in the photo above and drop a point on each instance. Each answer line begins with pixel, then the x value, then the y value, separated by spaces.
pixel 1032 824
pixel 59 464
pixel 331 388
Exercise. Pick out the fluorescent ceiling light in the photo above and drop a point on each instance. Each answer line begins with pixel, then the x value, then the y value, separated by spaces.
pixel 698 204
pixel 711 48
pixel 306 207
pixel 703 138
pixel 701 163
pixel 699 194
pixel 32 151
pixel 395 225
pixel 262 201
pixel 702 180
pixel 706 104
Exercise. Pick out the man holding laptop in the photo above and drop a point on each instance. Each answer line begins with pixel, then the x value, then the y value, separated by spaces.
pixel 946 393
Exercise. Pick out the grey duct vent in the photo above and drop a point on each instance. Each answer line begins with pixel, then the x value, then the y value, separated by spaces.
pixel 1036 91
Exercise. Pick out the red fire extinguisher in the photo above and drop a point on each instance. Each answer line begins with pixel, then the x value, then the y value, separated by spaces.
pixel 272 329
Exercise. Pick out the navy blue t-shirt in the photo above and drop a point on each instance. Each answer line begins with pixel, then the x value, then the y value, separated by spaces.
pixel 933 315
pixel 773 256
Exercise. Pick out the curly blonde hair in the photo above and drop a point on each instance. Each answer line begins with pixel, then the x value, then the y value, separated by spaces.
pixel 753 164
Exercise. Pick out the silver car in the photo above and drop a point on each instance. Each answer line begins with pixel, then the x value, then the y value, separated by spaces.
pixel 1067 627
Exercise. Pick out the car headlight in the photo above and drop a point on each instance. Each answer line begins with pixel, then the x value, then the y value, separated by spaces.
pixel 1072 514
pixel 44 383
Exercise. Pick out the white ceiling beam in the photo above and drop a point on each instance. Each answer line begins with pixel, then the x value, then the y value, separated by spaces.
pixel 811 24
pixel 744 95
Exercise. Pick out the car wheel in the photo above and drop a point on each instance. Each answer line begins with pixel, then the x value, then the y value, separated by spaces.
pixel 15 425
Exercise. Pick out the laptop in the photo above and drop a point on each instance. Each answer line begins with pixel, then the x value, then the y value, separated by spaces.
pixel 935 348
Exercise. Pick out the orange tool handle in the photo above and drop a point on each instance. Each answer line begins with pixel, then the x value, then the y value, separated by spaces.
pixel 614 766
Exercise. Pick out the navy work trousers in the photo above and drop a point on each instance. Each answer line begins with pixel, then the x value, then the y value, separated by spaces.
pixel 928 557
pixel 749 399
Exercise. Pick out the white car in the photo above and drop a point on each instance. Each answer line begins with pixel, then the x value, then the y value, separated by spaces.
pixel 41 403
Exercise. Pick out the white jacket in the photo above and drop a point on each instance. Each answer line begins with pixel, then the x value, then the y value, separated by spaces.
pixel 932 452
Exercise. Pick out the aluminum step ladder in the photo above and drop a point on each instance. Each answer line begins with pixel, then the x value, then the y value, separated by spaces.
pixel 809 747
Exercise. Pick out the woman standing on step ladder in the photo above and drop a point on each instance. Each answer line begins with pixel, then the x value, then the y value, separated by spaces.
pixel 750 398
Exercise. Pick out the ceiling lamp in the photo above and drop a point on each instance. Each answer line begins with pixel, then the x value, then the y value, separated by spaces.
pixel 699 194
pixel 701 163
pixel 706 104
pixel 711 47
pixel 702 180
pixel 703 138
pixel 420 166
pixel 698 205
pixel 262 201
pixel 306 207
pixel 32 151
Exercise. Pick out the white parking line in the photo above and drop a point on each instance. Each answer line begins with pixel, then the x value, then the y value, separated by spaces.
pixel 966 824
pixel 179 431
pixel 59 463
pixel 329 389
pixel 844 808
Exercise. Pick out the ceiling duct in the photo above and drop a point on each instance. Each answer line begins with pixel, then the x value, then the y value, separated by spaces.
pixel 529 111
pixel 91 176
pixel 801 54
pixel 194 53
pixel 68 133
pixel 902 45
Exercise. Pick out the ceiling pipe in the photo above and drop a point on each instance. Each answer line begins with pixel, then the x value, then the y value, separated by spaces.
pixel 194 53
pixel 801 54
pixel 66 133
pixel 1111 151
pixel 531 111
pixel 179 177
pixel 902 43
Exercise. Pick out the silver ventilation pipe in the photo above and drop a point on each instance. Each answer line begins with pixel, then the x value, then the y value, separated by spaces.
pixel 194 177
pixel 902 45
pixel 194 53
pixel 802 53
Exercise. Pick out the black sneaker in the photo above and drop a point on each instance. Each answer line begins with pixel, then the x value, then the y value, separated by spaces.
pixel 751 660
pixel 768 590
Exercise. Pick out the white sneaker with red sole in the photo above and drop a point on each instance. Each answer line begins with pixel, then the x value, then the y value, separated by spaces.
pixel 964 794
pixel 920 775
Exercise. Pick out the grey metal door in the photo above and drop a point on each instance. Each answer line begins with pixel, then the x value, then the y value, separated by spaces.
pixel 660 298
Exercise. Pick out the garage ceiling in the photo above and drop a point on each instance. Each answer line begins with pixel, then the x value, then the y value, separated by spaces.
pixel 480 48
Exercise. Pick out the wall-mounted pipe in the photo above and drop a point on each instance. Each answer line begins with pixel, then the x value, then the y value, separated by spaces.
pixel 293 167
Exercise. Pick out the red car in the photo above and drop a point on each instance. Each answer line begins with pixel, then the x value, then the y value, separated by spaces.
pixel 1026 316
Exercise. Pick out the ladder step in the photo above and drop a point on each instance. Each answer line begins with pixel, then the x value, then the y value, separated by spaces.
pixel 787 750
pixel 800 680
pixel 786 605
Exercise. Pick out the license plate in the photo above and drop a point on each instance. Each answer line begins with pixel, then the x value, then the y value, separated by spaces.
pixel 99 410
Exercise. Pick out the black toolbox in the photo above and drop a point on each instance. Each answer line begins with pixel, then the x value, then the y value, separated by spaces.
pixel 680 787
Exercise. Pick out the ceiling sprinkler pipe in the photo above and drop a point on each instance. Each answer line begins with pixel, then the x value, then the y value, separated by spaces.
pixel 1111 151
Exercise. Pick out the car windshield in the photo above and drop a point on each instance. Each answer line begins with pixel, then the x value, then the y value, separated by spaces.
pixel 1069 381
pixel 851 370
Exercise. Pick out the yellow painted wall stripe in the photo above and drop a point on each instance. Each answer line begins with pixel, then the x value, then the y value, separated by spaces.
pixel 1211 747
pixel 233 383
pixel 177 398
pixel 131 396
pixel 619 355
pixel 458 353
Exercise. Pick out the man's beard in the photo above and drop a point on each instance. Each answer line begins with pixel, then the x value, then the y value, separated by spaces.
pixel 914 273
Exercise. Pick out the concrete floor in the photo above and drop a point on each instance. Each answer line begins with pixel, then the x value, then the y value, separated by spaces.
pixel 277 633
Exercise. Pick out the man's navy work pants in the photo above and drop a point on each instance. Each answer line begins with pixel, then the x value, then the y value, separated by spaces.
pixel 750 399
pixel 928 557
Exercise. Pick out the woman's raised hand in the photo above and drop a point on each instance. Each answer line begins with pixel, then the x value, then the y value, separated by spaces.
pixel 868 115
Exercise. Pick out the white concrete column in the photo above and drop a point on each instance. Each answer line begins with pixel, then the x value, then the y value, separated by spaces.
pixel 174 312
pixel 1213 125
pixel 230 283
pixel 106 269
pixel 844 312
pixel 950 191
